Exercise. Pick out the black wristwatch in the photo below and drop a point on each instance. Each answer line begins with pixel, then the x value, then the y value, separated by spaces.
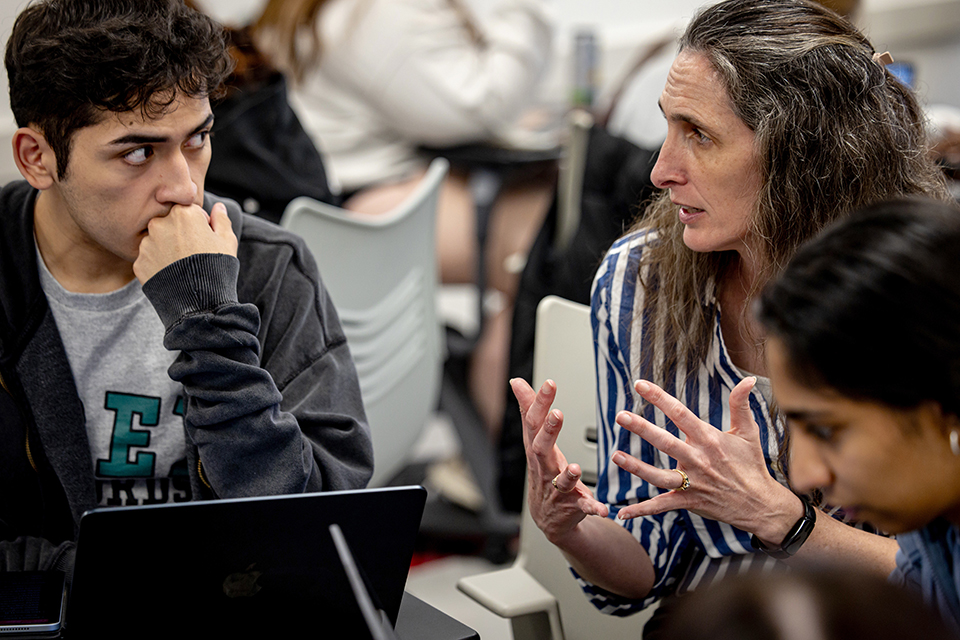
pixel 795 538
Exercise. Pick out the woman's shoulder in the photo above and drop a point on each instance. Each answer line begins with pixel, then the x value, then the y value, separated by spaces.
pixel 616 283
pixel 623 257
pixel 635 241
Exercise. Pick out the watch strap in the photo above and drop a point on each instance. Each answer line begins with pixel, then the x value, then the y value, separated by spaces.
pixel 795 538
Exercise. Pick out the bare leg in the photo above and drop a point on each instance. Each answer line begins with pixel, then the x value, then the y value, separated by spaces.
pixel 456 235
pixel 517 218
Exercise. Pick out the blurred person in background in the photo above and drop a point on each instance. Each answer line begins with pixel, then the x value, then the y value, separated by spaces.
pixel 373 80
pixel 816 603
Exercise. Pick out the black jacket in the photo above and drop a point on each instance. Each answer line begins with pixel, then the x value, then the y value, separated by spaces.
pixel 300 425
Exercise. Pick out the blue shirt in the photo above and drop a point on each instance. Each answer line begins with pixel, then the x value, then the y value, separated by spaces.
pixel 928 562
pixel 687 550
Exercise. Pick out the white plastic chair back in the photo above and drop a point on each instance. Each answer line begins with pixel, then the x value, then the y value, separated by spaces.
pixel 563 352
pixel 381 272
pixel 538 593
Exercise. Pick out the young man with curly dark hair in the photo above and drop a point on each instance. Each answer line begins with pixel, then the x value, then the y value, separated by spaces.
pixel 156 345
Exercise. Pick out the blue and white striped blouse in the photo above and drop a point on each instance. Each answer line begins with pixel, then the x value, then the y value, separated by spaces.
pixel 687 550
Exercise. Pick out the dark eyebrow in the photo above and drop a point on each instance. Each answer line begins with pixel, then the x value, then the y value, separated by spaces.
pixel 136 138
pixel 806 416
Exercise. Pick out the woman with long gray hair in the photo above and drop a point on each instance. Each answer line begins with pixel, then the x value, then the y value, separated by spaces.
pixel 781 117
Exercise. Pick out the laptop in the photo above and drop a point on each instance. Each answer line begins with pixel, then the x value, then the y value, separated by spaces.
pixel 373 614
pixel 249 567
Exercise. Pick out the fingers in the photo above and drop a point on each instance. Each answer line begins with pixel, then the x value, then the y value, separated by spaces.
pixel 660 438
pixel 662 478
pixel 221 225
pixel 668 479
pixel 662 503
pixel 219 217
pixel 533 406
pixel 741 417
pixel 542 403
pixel 685 419
pixel 566 481
pixel 524 393
pixel 591 506
pixel 544 444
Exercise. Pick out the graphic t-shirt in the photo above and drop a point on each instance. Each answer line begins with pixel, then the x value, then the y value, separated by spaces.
pixel 133 410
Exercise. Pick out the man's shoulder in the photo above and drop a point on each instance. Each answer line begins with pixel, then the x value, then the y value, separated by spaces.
pixel 267 251
pixel 14 196
pixel 16 234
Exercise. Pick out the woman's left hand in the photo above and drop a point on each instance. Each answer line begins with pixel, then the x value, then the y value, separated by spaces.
pixel 728 477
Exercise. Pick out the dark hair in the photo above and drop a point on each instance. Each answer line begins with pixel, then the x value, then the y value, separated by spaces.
pixel 806 602
pixel 834 131
pixel 871 308
pixel 69 61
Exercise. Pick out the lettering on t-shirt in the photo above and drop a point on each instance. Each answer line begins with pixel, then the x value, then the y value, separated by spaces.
pixel 128 476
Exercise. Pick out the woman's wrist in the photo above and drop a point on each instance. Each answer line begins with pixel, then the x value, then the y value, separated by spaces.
pixel 772 529
pixel 795 538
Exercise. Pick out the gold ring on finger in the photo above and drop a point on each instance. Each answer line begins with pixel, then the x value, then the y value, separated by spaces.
pixel 684 481
pixel 554 481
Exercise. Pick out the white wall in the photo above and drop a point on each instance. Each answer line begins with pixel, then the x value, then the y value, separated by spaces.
pixel 8 170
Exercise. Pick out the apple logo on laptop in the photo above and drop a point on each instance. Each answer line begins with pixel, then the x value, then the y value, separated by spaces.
pixel 242 584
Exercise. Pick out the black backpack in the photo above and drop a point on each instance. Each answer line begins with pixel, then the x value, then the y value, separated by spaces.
pixel 262 157
pixel 616 182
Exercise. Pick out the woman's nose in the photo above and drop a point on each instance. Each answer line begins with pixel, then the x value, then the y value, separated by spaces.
pixel 668 171
pixel 808 471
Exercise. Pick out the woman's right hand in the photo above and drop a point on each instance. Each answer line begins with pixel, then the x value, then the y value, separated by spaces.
pixel 556 508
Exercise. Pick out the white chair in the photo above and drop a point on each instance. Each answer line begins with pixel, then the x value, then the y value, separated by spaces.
pixel 538 593
pixel 381 272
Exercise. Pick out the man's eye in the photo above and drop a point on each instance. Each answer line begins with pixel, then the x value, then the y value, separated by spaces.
pixel 138 155
pixel 198 139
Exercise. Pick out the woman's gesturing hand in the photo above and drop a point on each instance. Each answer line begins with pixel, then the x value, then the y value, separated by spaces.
pixel 558 500
pixel 725 472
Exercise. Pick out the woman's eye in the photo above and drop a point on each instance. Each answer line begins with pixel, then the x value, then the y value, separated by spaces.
pixel 138 155
pixel 821 432
pixel 699 136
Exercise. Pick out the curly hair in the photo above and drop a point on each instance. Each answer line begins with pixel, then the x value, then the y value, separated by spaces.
pixel 834 131
pixel 71 61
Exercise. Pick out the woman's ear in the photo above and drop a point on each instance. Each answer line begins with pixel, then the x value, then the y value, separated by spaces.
pixel 930 415
pixel 951 422
pixel 34 158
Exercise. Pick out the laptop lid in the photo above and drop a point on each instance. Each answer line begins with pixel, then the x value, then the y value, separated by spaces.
pixel 246 566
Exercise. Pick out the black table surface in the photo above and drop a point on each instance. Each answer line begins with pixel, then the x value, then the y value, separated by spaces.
pixel 421 621
pixel 417 620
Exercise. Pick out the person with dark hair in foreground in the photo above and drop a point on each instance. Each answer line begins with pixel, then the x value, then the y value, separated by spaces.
pixel 813 603
pixel 156 345
pixel 863 350
pixel 781 118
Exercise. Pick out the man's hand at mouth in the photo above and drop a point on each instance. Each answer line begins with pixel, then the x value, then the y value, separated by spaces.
pixel 185 231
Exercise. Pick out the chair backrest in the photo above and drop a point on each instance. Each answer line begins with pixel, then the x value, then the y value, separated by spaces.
pixel 381 272
pixel 563 352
